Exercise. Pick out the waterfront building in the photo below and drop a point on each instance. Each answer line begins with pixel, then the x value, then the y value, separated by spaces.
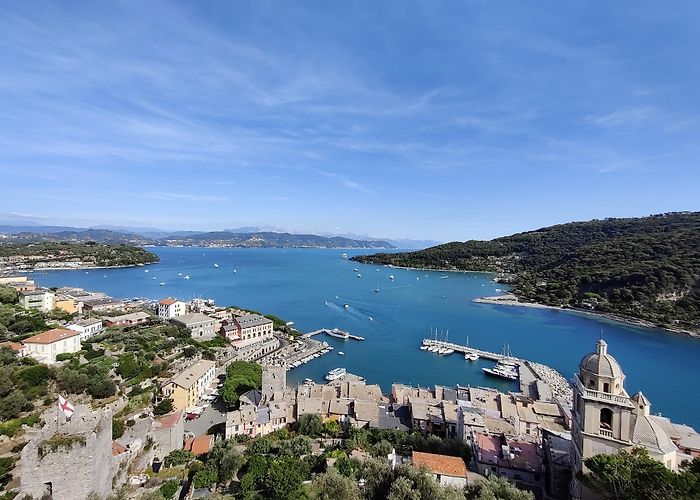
pixel 41 300
pixel 201 326
pixel 101 302
pixel 606 419
pixel 251 326
pixel 187 388
pixel 446 470
pixel 86 327
pixel 131 319
pixel 170 308
pixel 45 346
pixel 19 283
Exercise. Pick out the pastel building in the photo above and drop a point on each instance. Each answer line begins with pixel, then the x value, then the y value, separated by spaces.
pixel 187 388
pixel 41 300
pixel 46 346
pixel 170 308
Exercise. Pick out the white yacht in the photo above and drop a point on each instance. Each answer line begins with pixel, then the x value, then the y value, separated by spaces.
pixel 355 270
pixel 424 348
pixel 162 283
pixel 341 353
pixel 216 265
pixel 359 275
pixel 502 372
pixel 187 276
pixel 336 373
pixel 346 306
pixel 391 277
pixel 471 356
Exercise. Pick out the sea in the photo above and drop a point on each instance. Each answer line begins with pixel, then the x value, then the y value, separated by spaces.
pixel 311 288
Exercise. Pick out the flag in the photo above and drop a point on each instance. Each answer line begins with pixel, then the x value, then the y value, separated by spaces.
pixel 67 408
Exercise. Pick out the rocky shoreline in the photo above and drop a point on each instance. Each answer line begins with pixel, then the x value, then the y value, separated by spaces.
pixel 510 299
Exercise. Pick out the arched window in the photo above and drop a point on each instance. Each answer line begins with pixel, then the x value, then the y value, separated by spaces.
pixel 591 384
pixel 606 417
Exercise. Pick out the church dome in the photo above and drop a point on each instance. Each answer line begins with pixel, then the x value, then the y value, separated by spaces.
pixel 648 434
pixel 601 363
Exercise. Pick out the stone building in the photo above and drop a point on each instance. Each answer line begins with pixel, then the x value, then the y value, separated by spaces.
pixel 274 382
pixel 606 419
pixel 72 459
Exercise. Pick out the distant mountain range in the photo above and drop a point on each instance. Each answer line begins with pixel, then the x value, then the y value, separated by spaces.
pixel 264 239
pixel 27 230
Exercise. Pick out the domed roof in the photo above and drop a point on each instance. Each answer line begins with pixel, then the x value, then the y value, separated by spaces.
pixel 601 363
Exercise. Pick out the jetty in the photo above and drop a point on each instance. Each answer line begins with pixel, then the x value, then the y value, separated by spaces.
pixel 333 333
pixel 538 381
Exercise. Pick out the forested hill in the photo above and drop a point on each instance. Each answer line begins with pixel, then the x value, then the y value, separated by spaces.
pixel 68 255
pixel 646 268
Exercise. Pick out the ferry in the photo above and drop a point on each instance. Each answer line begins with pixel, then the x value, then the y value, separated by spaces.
pixel 336 373
pixel 339 334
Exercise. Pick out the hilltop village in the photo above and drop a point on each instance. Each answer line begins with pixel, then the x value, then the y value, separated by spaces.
pixel 103 397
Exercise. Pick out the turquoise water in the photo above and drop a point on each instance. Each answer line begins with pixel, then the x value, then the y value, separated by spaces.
pixel 310 288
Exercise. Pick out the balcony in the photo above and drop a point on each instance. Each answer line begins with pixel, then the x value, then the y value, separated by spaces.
pixel 605 432
pixel 601 396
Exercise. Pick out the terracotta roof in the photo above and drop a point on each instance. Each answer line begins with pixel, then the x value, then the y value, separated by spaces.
pixel 117 449
pixel 167 302
pixel 169 420
pixel 50 336
pixel 199 445
pixel 15 346
pixel 440 464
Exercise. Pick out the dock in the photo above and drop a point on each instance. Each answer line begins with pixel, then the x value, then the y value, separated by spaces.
pixel 538 381
pixel 339 334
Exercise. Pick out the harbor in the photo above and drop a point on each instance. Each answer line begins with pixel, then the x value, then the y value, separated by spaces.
pixel 537 381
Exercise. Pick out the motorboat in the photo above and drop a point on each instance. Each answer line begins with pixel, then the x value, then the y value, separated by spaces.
pixel 341 353
pixel 346 306
pixel 162 283
pixel 336 373
pixel 355 270
pixel 216 265
pixel 359 275
pixel 344 256
pixel 391 277
pixel 339 334
pixel 424 348
pixel 471 356
pixel 502 372
pixel 187 276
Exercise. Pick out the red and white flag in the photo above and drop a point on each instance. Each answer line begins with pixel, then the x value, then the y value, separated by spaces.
pixel 67 408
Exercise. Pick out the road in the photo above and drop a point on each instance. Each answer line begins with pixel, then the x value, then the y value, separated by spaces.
pixel 214 415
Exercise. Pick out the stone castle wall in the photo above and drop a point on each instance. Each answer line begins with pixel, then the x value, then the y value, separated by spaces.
pixel 70 471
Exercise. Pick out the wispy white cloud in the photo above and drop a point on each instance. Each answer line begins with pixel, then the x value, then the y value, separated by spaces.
pixel 183 196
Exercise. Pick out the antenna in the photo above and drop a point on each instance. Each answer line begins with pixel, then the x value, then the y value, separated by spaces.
pixel 601 334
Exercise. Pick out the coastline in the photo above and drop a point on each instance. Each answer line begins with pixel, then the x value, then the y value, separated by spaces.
pixel 70 268
pixel 510 299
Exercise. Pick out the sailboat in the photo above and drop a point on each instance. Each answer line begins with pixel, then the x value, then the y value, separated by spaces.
pixel 470 355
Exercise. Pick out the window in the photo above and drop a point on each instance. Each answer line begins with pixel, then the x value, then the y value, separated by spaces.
pixel 606 418
pixel 606 387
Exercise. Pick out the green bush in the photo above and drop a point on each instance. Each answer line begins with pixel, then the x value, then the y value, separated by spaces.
pixel 169 488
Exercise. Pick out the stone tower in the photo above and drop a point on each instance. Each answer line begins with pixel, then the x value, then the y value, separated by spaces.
pixel 274 381
pixel 606 419
pixel 70 459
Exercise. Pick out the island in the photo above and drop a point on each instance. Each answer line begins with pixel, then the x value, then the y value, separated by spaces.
pixel 65 255
pixel 641 269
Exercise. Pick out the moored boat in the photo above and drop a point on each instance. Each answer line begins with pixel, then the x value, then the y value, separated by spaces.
pixel 336 373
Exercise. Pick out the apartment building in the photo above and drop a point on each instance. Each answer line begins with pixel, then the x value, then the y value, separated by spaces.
pixel 187 388
pixel 44 347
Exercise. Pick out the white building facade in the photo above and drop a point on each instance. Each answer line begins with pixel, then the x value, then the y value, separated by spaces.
pixel 46 346
pixel 170 308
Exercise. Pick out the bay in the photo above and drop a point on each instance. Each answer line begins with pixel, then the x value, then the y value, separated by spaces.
pixel 311 286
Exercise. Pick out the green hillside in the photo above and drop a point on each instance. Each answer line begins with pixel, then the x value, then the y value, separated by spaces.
pixel 646 268
pixel 89 253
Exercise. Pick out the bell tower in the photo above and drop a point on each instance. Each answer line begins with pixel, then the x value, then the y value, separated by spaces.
pixel 602 410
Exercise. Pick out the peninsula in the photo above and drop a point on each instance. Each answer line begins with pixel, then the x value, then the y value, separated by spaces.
pixel 640 268
pixel 65 255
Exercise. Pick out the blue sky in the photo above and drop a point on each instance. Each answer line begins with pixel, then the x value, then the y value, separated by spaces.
pixel 444 120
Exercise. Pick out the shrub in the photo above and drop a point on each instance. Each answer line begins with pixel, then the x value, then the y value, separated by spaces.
pixel 164 407
pixel 169 488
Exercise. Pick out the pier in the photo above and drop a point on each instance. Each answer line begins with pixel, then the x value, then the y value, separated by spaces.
pixel 536 380
pixel 339 334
